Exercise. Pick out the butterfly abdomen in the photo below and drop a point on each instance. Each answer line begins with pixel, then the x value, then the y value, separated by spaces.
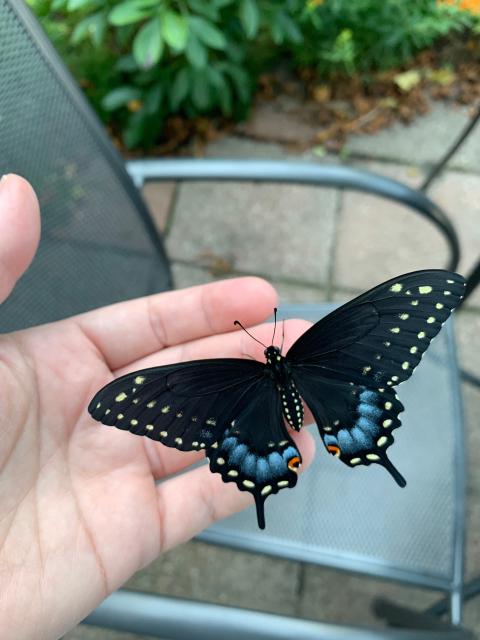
pixel 277 367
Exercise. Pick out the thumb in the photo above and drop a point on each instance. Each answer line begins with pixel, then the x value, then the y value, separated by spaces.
pixel 19 230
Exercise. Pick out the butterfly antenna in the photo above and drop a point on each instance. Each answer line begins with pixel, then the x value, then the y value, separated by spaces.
pixel 249 334
pixel 283 335
pixel 275 325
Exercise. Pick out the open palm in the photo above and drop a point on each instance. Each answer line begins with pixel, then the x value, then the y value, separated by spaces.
pixel 79 507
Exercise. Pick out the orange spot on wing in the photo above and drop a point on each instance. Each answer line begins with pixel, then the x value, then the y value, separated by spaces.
pixel 294 463
pixel 333 449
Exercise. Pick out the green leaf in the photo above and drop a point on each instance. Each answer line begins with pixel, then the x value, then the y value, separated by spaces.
pixel 218 81
pixel 208 33
pixel 119 97
pixel 133 133
pixel 201 93
pixel 196 53
pixel 153 99
pixel 148 44
pixel 206 9
pixel 92 27
pixel 58 5
pixel 129 12
pixel 175 30
pixel 75 5
pixel 179 88
pixel 126 64
pixel 249 17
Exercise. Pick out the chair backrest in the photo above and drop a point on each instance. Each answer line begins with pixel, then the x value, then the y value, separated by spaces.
pixel 98 243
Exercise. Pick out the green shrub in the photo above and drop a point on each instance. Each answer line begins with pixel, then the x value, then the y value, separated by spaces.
pixel 140 61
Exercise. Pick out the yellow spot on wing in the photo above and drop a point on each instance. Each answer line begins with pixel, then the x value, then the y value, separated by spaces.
pixel 395 330
pixel 387 423
pixel 151 404
pixel 372 456
pixel 355 461
pixel 430 320
pixel 233 473
pixel 282 483
pixel 382 441
pixel 426 289
pixel 421 335
pixel 266 490
pixel 439 305
pixel 249 484
pixel 139 379
pixel 120 397
pixel 397 287
pixel 149 427
pixel 404 316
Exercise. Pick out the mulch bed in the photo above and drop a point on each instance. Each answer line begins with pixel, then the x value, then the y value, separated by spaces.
pixel 325 112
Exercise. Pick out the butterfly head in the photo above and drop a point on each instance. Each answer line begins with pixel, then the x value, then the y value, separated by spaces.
pixel 272 354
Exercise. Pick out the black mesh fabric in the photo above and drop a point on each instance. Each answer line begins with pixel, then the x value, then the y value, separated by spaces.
pixel 98 245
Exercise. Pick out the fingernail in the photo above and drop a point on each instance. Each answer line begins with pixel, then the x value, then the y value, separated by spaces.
pixel 3 180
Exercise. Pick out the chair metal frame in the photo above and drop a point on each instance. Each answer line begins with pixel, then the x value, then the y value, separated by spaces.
pixel 155 615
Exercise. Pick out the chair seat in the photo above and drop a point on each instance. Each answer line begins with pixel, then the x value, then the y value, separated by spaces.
pixel 359 519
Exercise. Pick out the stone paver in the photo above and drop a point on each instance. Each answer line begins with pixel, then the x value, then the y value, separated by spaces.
pixel 335 596
pixel 378 239
pixel 223 576
pixel 459 195
pixel 188 276
pixel 159 197
pixel 274 230
pixel 423 141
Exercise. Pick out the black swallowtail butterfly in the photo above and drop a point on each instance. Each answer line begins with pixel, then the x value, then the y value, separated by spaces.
pixel 344 367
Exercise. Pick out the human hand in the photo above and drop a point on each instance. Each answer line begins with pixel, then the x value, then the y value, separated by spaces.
pixel 79 508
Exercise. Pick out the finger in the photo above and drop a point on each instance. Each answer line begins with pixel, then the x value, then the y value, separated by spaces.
pixel 19 230
pixel 131 330
pixel 236 344
pixel 191 502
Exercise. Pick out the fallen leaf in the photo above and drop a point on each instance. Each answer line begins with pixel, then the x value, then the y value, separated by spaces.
pixel 407 80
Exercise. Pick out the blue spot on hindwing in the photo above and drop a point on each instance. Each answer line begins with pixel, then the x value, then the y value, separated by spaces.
pixel 369 410
pixel 361 438
pixel 328 439
pixel 249 464
pixel 229 443
pixel 289 452
pixel 237 454
pixel 366 425
pixel 345 441
pixel 277 464
pixel 368 396
pixel 263 470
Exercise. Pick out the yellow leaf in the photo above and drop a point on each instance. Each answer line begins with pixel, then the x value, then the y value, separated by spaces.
pixel 407 80
pixel 444 76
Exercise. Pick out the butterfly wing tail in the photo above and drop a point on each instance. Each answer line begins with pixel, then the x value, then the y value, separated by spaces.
pixel 260 505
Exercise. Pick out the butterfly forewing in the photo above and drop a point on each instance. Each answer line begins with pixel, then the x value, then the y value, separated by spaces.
pixel 378 338
pixel 185 406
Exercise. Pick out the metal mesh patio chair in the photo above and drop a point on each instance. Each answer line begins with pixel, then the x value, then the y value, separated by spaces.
pixel 99 246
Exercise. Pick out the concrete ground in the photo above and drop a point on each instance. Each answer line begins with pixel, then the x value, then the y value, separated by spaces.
pixel 358 241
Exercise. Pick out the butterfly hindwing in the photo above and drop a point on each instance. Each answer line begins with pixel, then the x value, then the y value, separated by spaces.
pixel 355 422
pixel 184 406
pixel 256 451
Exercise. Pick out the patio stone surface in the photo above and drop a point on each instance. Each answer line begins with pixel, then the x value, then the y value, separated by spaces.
pixel 378 239
pixel 279 231
pixel 459 195
pixel 424 140
pixel 224 576
pixel 189 276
